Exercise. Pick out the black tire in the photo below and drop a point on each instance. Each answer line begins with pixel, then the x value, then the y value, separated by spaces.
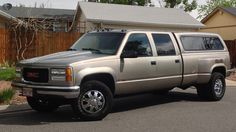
pixel 106 97
pixel 42 105
pixel 208 92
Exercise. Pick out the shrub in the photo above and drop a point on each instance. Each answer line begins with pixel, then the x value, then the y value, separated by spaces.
pixel 6 95
pixel 7 73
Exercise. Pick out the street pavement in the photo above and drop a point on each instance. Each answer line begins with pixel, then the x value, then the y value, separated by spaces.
pixel 180 111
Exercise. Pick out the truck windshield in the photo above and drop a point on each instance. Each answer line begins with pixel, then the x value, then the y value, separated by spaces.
pixel 99 43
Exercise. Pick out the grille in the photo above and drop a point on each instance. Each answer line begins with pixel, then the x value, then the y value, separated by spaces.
pixel 35 75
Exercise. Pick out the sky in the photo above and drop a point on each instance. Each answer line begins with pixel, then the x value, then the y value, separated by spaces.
pixel 69 4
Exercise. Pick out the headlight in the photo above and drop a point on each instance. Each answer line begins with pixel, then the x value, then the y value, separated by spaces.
pixel 61 74
pixel 58 71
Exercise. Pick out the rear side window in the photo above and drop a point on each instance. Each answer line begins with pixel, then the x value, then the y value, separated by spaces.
pixel 192 43
pixel 195 43
pixel 213 43
pixel 163 44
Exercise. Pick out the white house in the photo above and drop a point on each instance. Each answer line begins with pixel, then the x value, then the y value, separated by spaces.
pixel 91 15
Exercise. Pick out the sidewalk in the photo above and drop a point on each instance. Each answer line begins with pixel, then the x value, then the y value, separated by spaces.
pixel 230 83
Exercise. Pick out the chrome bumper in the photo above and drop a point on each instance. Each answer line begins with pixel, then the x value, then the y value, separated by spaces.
pixel 66 92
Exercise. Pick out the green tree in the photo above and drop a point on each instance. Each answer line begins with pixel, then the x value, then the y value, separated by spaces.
pixel 210 5
pixel 185 4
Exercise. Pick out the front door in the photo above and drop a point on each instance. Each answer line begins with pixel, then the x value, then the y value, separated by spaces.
pixel 136 73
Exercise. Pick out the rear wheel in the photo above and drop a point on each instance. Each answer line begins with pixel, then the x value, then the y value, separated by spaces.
pixel 94 102
pixel 214 90
pixel 42 105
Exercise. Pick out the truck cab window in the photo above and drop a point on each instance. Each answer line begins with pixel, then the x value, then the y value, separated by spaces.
pixel 139 43
pixel 163 44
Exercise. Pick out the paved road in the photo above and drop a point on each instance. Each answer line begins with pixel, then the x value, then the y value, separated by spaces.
pixel 181 111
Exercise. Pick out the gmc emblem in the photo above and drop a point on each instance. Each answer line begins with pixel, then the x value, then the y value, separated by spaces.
pixel 32 74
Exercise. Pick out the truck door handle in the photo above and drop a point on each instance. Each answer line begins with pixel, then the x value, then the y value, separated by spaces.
pixel 177 61
pixel 153 63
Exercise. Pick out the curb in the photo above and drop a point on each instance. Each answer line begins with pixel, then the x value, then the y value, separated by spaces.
pixel 14 108
pixel 3 107
pixel 230 83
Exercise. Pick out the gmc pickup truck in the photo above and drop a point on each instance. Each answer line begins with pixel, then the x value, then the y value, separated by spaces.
pixel 104 64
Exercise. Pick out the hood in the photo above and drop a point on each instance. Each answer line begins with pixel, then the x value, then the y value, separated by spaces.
pixel 62 58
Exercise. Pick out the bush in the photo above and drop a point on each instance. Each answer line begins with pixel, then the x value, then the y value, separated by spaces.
pixel 7 73
pixel 6 95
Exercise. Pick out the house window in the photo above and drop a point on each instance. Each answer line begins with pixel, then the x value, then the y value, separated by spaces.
pixel 59 26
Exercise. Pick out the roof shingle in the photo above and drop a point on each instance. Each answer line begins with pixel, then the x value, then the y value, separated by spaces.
pixel 29 12
pixel 115 13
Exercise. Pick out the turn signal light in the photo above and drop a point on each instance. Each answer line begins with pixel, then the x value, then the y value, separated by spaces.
pixel 68 74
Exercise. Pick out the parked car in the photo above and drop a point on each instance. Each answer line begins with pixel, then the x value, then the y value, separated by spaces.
pixel 104 64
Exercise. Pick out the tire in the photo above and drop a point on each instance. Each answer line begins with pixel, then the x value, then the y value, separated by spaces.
pixel 214 90
pixel 42 105
pixel 94 101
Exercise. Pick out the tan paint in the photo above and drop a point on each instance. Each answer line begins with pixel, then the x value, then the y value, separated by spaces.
pixel 222 23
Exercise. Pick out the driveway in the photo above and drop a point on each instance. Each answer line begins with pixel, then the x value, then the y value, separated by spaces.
pixel 180 111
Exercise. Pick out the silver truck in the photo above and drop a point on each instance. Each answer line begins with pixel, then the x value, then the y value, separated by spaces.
pixel 104 64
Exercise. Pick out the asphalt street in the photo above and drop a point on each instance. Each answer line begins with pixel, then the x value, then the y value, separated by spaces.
pixel 180 111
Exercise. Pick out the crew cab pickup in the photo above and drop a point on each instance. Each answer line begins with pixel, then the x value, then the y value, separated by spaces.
pixel 104 64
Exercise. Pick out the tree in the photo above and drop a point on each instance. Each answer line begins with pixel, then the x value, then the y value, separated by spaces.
pixel 210 5
pixel 185 4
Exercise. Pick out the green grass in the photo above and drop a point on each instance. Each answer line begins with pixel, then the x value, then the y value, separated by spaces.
pixel 7 73
pixel 6 95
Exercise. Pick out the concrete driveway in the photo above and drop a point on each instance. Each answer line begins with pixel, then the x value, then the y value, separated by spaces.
pixel 180 111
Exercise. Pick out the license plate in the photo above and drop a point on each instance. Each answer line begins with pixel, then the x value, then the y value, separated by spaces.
pixel 27 92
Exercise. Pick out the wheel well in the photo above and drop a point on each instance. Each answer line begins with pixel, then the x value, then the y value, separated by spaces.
pixel 103 77
pixel 221 70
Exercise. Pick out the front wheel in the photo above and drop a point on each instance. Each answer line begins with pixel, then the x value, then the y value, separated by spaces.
pixel 214 90
pixel 94 101
pixel 42 105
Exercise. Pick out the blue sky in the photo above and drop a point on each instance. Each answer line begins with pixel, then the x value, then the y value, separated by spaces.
pixel 66 4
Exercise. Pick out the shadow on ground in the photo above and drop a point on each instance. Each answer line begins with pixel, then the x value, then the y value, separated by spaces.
pixel 65 114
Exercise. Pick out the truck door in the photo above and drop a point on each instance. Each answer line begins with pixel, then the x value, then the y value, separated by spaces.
pixel 135 73
pixel 168 72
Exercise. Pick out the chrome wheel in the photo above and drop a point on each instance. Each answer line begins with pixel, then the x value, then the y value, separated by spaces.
pixel 218 87
pixel 92 101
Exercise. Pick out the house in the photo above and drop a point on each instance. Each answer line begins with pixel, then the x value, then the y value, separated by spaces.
pixel 221 21
pixel 93 15
pixel 54 19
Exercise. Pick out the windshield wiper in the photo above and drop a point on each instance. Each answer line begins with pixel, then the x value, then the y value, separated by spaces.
pixel 91 49
pixel 70 49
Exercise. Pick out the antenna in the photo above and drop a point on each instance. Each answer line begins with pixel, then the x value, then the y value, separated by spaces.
pixel 7 6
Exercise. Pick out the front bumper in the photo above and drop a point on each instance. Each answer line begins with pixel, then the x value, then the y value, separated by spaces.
pixel 39 90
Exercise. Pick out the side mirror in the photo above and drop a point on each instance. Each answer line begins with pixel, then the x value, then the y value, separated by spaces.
pixel 129 54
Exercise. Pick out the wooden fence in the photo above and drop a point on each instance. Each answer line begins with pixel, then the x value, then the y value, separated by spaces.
pixel 231 44
pixel 43 43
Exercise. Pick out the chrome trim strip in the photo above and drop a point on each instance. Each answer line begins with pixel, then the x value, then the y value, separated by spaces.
pixel 43 87
pixel 149 79
pixel 159 78
pixel 204 74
